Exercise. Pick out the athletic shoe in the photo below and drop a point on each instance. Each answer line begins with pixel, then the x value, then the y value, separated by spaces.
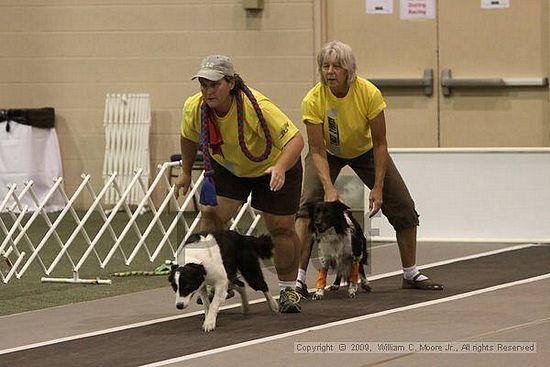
pixel 289 301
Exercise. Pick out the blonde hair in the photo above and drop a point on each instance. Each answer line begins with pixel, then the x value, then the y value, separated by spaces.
pixel 343 55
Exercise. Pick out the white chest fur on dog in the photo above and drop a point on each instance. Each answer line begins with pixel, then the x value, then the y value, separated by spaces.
pixel 207 253
pixel 335 249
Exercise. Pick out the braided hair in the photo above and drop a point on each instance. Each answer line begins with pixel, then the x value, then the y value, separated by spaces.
pixel 240 86
pixel 210 136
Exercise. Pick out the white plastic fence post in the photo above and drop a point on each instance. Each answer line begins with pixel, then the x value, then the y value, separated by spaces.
pixel 149 228
pixel 21 262
pixel 52 229
pixel 110 218
pixel 9 233
pixel 247 206
pixel 97 202
pixel 49 224
pixel 80 228
pixel 18 204
pixel 156 218
pixel 27 225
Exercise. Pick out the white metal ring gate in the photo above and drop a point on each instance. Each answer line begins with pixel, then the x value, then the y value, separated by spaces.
pixel 18 251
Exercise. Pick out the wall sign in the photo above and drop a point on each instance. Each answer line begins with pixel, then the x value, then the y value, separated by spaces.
pixel 495 4
pixel 379 6
pixel 417 9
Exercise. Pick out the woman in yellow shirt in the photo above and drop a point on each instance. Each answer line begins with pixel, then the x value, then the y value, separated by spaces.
pixel 344 118
pixel 249 146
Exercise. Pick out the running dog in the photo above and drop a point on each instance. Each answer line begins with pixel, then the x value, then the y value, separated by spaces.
pixel 342 246
pixel 213 259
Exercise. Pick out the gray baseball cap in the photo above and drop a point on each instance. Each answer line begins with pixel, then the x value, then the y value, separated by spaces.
pixel 215 67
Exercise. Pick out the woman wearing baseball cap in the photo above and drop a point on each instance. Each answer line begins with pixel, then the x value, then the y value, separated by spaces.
pixel 249 146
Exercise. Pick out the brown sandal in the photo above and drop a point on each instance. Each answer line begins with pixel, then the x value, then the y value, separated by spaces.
pixel 426 284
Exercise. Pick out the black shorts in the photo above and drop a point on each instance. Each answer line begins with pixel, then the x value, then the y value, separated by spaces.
pixel 286 201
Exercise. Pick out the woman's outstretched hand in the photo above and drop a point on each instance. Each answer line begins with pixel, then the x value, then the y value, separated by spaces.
pixel 277 178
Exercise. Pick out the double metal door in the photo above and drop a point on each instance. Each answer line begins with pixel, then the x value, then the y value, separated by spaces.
pixel 469 77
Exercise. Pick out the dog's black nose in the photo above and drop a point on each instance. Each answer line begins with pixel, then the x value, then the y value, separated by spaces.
pixel 179 306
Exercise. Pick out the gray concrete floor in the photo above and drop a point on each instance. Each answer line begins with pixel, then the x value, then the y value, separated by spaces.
pixel 514 314
pixel 519 313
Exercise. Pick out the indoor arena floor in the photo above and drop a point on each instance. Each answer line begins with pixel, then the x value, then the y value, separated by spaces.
pixel 495 295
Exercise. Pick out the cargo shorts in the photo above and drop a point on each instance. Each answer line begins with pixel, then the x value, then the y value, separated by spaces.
pixel 398 205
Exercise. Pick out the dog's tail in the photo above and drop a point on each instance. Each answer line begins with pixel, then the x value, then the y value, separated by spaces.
pixel 263 245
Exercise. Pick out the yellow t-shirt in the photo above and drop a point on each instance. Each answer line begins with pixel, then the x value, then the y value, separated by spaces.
pixel 280 126
pixel 345 120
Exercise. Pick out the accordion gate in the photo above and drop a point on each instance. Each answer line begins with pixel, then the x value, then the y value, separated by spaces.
pixel 18 252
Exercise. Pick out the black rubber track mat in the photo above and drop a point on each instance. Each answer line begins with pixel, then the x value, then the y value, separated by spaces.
pixel 176 338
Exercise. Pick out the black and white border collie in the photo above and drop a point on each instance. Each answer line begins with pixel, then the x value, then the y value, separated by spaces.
pixel 342 247
pixel 213 259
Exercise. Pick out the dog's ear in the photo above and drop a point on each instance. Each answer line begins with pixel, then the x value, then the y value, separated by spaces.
pixel 342 206
pixel 310 208
pixel 173 268
pixel 171 279
pixel 198 268
pixel 310 214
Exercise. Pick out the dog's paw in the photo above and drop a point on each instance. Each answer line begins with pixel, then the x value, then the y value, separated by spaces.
pixel 245 308
pixel 273 305
pixel 209 324
pixel 333 287
pixel 352 290
pixel 318 295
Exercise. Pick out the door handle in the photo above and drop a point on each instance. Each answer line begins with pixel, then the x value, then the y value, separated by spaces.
pixel 448 83
pixel 425 82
